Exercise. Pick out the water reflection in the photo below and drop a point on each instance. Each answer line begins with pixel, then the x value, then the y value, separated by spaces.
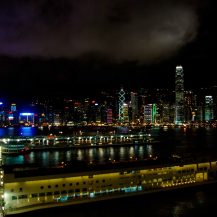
pixel 2 132
pixel 101 155
pixel 21 131
pixel 171 141
pixel 80 156
pixel 27 131
pixel 10 131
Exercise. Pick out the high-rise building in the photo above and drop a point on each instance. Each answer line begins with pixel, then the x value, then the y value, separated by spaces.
pixel 208 108
pixel 179 95
pixel 121 102
pixel 190 105
pixel 134 106
pixel 150 113
pixel 125 113
pixel 109 116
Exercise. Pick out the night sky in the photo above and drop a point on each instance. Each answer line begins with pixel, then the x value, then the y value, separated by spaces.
pixel 79 47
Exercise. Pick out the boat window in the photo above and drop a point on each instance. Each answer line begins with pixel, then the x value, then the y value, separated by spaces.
pixel 56 192
pixel 49 193
pixel 24 196
pixel 34 195
pixel 41 194
pixel 14 197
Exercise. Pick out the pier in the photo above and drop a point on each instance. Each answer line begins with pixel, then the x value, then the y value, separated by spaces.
pixel 79 141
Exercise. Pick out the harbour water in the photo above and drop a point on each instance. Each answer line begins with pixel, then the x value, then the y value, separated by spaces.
pixel 197 201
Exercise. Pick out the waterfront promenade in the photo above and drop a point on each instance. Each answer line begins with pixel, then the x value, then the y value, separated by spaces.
pixel 56 142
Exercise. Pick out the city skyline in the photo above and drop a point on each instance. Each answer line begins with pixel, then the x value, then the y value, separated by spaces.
pixel 63 48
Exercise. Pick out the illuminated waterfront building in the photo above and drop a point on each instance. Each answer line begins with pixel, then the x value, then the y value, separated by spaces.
pixel 167 114
pixel 208 108
pixel 125 113
pixel 150 113
pixel 109 116
pixel 26 118
pixel 57 118
pixel 13 107
pixel 179 95
pixel 190 106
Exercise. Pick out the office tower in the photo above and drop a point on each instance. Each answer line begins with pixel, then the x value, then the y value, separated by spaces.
pixel 125 113
pixel 121 102
pixel 179 95
pixel 134 106
pixel 208 108
pixel 190 106
pixel 109 116
pixel 150 113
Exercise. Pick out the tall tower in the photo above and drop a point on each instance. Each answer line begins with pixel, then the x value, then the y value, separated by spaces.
pixel 208 108
pixel 134 106
pixel 179 95
pixel 121 101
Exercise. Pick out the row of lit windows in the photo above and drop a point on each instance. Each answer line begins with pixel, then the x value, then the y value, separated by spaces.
pixel 152 173
pixel 186 171
pixel 202 169
pixel 43 194
pixel 77 193
pixel 63 185
pixel 84 191
pixel 97 181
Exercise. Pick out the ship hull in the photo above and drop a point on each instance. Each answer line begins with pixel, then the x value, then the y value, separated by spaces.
pixel 24 192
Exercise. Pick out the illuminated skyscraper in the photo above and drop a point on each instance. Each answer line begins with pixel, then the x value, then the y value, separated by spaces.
pixel 208 108
pixel 179 95
pixel 134 106
pixel 125 113
pixel 150 113
pixel 121 102
pixel 109 116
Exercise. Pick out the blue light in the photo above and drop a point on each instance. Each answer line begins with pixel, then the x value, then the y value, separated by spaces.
pixel 26 114
pixel 91 194
pixel 1 103
pixel 140 188
pixel 63 199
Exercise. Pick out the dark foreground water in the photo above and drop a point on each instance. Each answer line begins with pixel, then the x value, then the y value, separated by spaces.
pixel 193 202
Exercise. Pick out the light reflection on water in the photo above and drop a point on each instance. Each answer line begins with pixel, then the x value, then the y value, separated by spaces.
pixel 102 155
pixel 21 131
pixel 171 141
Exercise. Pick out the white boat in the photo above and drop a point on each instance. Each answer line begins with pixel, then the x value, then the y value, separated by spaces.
pixel 14 148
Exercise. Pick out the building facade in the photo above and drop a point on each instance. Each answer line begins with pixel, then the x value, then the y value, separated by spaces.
pixel 179 96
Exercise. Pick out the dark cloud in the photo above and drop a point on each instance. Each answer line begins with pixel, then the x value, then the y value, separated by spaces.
pixel 123 29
